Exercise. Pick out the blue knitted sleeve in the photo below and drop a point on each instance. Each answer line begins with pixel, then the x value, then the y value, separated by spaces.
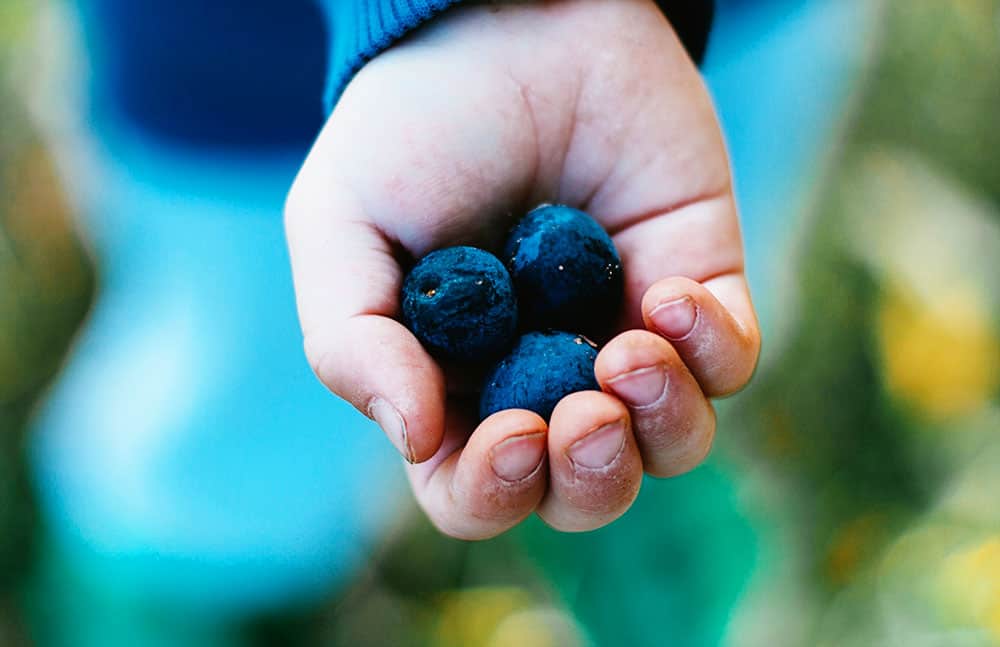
pixel 361 29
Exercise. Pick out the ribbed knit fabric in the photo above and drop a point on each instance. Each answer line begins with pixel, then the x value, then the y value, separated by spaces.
pixel 361 29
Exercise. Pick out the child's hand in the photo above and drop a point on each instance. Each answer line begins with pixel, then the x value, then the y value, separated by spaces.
pixel 440 141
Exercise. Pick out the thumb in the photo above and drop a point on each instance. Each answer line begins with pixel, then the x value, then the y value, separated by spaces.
pixel 347 286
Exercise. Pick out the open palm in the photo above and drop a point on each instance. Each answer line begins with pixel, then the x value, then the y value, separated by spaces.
pixel 447 138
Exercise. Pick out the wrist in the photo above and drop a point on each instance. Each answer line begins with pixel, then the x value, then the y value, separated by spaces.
pixel 358 32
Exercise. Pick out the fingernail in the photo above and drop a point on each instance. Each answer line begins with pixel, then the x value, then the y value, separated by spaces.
pixel 517 458
pixel 599 448
pixel 392 424
pixel 640 388
pixel 675 319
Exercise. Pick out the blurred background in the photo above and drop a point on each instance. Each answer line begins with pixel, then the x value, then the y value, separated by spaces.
pixel 171 473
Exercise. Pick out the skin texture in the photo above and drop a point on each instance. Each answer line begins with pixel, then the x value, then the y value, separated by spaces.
pixel 459 302
pixel 492 110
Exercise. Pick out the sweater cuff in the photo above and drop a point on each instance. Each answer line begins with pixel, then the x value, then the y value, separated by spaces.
pixel 359 30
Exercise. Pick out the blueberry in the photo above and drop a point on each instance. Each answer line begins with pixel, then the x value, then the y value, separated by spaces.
pixel 459 302
pixel 541 369
pixel 566 271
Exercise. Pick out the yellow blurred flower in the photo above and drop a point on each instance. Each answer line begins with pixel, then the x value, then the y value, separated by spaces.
pixel 537 628
pixel 468 618
pixel 942 579
pixel 941 358
pixel 502 617
pixel 932 244
pixel 970 585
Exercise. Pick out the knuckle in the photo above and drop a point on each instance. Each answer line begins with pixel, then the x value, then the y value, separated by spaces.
pixel 674 448
pixel 612 496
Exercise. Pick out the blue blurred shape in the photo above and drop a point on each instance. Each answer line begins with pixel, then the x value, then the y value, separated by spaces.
pixel 188 454
pixel 226 73
pixel 188 444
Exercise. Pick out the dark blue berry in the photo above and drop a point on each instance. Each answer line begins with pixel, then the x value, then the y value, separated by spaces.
pixel 566 271
pixel 459 302
pixel 541 369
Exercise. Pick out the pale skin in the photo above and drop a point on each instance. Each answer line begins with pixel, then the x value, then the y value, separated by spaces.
pixel 491 110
